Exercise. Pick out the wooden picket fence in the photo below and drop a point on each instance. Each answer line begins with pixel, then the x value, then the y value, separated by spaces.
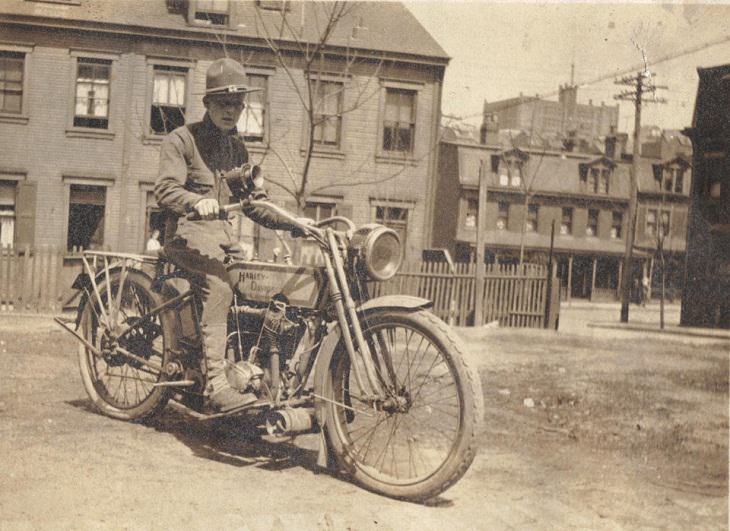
pixel 31 279
pixel 36 280
pixel 514 295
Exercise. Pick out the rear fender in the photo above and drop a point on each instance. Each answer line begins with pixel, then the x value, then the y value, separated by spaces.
pixel 322 381
pixel 83 284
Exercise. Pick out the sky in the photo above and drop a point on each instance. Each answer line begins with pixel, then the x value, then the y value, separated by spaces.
pixel 498 50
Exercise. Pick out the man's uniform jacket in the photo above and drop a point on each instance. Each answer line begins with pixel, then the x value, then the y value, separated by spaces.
pixel 192 160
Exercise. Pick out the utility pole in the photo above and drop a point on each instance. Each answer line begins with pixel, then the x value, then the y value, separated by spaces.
pixel 481 244
pixel 640 85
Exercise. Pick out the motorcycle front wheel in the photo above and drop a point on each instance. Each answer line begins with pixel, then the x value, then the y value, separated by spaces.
pixel 420 441
pixel 118 386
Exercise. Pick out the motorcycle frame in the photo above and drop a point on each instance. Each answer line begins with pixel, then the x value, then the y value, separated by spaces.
pixel 333 247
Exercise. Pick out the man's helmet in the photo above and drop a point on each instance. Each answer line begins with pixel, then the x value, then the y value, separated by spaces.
pixel 226 76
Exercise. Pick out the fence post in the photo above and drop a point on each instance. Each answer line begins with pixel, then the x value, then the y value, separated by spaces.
pixel 481 243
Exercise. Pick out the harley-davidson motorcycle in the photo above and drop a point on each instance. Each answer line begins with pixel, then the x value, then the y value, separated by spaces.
pixel 383 381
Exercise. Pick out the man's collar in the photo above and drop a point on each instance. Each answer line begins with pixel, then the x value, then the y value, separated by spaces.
pixel 212 129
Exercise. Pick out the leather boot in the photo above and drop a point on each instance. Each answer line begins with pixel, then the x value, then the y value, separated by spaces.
pixel 223 397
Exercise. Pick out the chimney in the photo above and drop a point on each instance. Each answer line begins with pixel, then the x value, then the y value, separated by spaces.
pixel 489 131
pixel 610 150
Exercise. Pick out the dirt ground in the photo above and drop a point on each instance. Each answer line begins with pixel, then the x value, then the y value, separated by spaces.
pixel 585 428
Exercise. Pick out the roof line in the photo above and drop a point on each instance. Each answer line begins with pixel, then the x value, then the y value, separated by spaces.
pixel 188 33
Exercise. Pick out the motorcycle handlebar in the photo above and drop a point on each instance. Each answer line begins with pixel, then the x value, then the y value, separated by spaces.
pixel 313 230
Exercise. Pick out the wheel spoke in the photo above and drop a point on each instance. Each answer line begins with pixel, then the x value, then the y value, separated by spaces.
pixel 417 429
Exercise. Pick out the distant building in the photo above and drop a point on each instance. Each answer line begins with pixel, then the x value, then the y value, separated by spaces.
pixel 564 120
pixel 706 300
pixel 666 144
pixel 585 196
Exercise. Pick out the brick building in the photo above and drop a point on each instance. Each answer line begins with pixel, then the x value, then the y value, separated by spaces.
pixel 88 89
pixel 706 301
pixel 586 196
pixel 564 120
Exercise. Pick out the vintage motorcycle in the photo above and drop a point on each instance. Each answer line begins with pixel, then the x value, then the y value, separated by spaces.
pixel 383 381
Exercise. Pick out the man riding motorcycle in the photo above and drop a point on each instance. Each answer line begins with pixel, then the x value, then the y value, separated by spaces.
pixel 197 162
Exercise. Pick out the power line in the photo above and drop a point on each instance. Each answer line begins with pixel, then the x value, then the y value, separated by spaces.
pixel 603 77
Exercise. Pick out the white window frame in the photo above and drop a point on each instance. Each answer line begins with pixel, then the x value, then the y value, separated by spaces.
pixel 103 181
pixel 26 49
pixel 268 73
pixel 150 136
pixel 193 9
pixel 397 157
pixel 74 131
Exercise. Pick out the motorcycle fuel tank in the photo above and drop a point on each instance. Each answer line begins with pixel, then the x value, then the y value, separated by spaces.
pixel 259 281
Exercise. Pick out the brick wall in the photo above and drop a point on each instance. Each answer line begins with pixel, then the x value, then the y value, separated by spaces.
pixel 125 161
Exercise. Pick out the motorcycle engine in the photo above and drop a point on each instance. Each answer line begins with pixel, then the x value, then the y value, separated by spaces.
pixel 259 333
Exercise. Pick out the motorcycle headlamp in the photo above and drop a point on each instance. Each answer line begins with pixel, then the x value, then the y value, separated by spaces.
pixel 379 253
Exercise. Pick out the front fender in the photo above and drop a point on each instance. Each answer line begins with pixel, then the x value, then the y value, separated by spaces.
pixel 322 383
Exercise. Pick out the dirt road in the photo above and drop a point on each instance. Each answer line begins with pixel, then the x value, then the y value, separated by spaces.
pixel 585 429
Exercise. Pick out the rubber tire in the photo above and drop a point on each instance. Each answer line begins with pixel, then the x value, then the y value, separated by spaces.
pixel 462 453
pixel 157 400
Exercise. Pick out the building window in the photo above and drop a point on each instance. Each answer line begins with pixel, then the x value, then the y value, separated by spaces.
pixel 399 122
pixel 566 222
pixel 11 81
pixel 154 220
pixel 7 213
pixel 319 211
pixel 616 223
pixel 92 93
pixel 651 216
pixel 394 217
pixel 515 177
pixel 273 5
pixel 503 178
pixel 168 98
pixel 251 126
pixel 678 181
pixel 472 211
pixel 592 223
pixel 603 181
pixel 664 227
pixel 531 221
pixel 593 177
pixel 213 12
pixel 86 217
pixel 327 112
pixel 503 215
pixel 657 220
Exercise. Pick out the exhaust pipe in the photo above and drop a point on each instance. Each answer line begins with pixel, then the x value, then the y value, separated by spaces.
pixel 290 421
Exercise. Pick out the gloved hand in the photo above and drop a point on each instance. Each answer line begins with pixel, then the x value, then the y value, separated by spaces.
pixel 207 208
pixel 298 233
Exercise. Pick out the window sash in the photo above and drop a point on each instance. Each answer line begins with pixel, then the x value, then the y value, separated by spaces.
pixel 566 223
pixel 399 120
pixel 531 221
pixel 327 111
pixel 11 81
pixel 319 211
pixel 92 88
pixel 616 223
pixel 252 125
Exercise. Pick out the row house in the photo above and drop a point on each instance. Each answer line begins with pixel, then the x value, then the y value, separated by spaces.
pixel 88 89
pixel 706 301
pixel 583 198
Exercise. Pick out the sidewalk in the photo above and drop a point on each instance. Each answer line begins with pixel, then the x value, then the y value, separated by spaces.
pixel 604 318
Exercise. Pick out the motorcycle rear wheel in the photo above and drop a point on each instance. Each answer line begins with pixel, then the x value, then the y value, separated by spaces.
pixel 118 386
pixel 418 448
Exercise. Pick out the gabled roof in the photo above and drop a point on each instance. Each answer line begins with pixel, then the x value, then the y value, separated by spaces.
pixel 550 172
pixel 381 26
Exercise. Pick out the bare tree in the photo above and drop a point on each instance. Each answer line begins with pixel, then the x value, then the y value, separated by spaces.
pixel 305 53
